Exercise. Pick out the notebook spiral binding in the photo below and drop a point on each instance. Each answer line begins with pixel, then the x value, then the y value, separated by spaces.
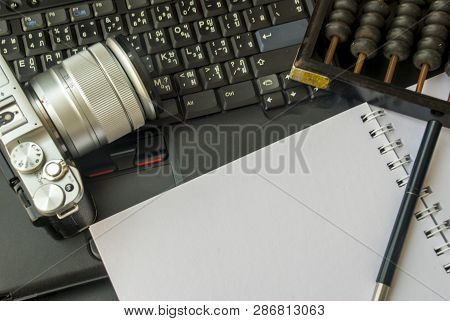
pixel 438 229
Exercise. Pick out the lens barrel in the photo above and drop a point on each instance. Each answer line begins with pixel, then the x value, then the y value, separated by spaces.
pixel 94 97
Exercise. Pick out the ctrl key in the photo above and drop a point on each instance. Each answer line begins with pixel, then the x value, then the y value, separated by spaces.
pixel 238 95
pixel 201 104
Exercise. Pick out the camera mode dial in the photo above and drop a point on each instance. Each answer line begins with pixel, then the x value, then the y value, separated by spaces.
pixel 27 157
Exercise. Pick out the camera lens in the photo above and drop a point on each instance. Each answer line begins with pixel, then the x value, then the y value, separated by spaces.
pixel 94 97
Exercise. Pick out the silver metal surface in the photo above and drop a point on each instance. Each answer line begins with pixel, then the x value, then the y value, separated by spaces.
pixel 437 229
pixel 381 130
pixel 373 115
pixel 55 170
pixel 49 198
pixel 381 292
pixel 90 99
pixel 442 249
pixel 133 75
pixel 399 162
pixel 27 157
pixel 428 211
pixel 391 146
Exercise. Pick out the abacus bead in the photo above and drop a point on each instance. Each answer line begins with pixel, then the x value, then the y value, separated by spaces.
pixel 373 19
pixel 350 5
pixel 435 31
pixel 437 17
pixel 409 9
pixel 427 56
pixel 338 29
pixel 365 46
pixel 440 5
pixel 368 31
pixel 420 3
pixel 405 36
pixel 405 22
pixel 397 48
pixel 431 43
pixel 342 15
pixel 378 7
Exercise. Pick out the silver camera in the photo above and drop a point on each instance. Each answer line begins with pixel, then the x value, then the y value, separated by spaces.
pixel 89 100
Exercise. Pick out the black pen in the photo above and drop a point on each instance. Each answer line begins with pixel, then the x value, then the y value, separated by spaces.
pixel 412 193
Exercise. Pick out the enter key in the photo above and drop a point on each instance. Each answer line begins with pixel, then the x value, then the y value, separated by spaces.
pixel 282 36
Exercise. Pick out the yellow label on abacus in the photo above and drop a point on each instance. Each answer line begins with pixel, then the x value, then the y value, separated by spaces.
pixel 309 78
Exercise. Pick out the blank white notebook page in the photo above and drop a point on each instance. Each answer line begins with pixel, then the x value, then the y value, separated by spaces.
pixel 316 230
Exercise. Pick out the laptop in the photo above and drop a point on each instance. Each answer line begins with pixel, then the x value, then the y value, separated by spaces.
pixel 234 49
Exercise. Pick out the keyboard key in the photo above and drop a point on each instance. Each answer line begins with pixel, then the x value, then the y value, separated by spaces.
pixel 212 76
pixel 138 21
pixel 56 17
pixel 286 81
pixel 219 50
pixel 187 82
pixel 26 68
pixel 188 10
pixel 237 5
pixel 206 30
pixel 273 100
pixel 232 24
pixel 164 87
pixel 244 45
pixel 73 51
pixel 169 111
pixel 163 16
pixel 168 62
pixel 51 59
pixel 135 4
pixel 194 56
pixel 149 65
pixel 136 43
pixel 4 28
pixel 268 84
pixel 182 35
pixel 286 11
pixel 238 70
pixel 62 38
pixel 112 25
pixel 281 36
pixel 156 41
pixel 81 12
pixel 261 2
pixel 256 18
pixel 88 33
pixel 297 94
pixel 33 22
pixel 201 104
pixel 238 95
pixel 104 8
pixel 10 48
pixel 35 43
pixel 213 8
pixel 273 62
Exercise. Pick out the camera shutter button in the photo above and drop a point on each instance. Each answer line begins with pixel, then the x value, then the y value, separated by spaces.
pixel 48 198
pixel 55 170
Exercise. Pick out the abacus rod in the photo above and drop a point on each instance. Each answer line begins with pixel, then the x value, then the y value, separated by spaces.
pixel 391 69
pixel 331 50
pixel 422 77
pixel 360 63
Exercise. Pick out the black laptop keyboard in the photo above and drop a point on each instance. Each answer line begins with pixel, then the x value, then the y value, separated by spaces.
pixel 205 56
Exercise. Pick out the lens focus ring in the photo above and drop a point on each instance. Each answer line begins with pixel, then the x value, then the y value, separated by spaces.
pixel 98 98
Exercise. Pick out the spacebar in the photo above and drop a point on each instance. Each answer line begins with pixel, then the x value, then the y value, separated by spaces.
pixel 273 62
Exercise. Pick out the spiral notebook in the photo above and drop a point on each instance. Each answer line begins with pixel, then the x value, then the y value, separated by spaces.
pixel 316 229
